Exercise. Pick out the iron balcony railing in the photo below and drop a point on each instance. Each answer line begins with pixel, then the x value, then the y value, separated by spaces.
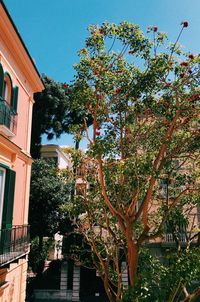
pixel 14 243
pixel 8 117
pixel 169 238
pixel 185 233
pixel 181 238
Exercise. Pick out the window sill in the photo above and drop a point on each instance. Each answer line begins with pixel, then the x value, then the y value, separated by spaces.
pixel 3 286
pixel 6 131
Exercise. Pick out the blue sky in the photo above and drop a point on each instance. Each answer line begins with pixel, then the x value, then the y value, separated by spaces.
pixel 54 31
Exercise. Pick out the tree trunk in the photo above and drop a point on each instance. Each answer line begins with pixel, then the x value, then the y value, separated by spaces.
pixel 77 142
pixel 133 252
pixel 193 296
pixel 107 289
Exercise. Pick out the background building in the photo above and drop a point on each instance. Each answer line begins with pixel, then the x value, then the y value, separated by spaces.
pixel 19 79
pixel 57 154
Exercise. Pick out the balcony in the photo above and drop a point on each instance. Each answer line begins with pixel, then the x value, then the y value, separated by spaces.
pixel 14 243
pixel 8 119
pixel 169 238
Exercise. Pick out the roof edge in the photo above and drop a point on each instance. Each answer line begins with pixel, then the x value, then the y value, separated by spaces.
pixel 20 38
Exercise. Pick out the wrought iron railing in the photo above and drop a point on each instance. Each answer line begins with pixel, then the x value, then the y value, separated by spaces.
pixel 8 117
pixel 185 234
pixel 181 237
pixel 169 238
pixel 14 243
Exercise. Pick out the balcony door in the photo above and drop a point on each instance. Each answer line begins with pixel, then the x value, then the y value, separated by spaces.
pixel 2 189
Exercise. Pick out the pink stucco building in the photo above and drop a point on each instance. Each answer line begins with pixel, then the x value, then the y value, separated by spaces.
pixel 19 79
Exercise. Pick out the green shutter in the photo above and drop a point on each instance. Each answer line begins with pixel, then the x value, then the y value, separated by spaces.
pixel 1 81
pixel 8 199
pixel 14 99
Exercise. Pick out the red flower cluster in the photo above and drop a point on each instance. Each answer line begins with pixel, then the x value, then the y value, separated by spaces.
pixel 184 64
pixel 96 72
pixel 185 23
pixel 191 56
pixel 65 86
pixel 196 97
pixel 100 97
pixel 155 29
pixel 117 90
pixel 97 132
pixel 102 31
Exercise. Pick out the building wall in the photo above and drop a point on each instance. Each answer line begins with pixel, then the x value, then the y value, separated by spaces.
pixel 63 160
pixel 15 150
pixel 18 158
pixel 25 99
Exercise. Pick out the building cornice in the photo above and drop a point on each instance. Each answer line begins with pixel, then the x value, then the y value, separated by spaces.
pixel 13 40
pixel 15 151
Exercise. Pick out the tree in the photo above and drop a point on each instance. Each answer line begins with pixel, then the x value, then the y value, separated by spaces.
pixel 48 113
pixel 49 190
pixel 166 281
pixel 144 103
pixel 38 255
pixel 54 114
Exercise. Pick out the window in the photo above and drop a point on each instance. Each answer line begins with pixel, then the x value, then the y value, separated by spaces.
pixel 8 93
pixel 8 104
pixel 7 88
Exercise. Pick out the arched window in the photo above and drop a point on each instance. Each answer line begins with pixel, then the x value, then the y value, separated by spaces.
pixel 7 88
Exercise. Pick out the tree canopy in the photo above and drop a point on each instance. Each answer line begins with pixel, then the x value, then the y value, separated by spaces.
pixel 143 95
pixel 54 113
pixel 48 113
pixel 49 190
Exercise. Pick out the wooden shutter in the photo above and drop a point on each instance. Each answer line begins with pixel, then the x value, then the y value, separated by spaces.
pixel 14 99
pixel 8 199
pixel 1 81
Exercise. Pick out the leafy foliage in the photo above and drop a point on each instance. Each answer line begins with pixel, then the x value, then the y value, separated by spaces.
pixel 142 162
pixel 37 256
pixel 48 113
pixel 165 281
pixel 49 190
pixel 54 113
